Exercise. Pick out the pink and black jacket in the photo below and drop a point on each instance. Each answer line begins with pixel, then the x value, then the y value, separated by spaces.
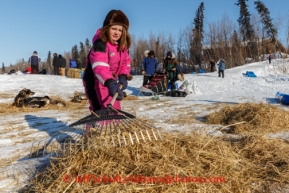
pixel 103 62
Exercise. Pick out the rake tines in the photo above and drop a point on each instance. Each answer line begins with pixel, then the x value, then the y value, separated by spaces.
pixel 108 128
pixel 57 144
pixel 113 128
pixel 103 129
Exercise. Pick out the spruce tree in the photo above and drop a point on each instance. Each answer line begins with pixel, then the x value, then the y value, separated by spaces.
pixel 82 55
pixel 75 55
pixel 3 68
pixel 266 20
pixel 196 44
pixel 246 29
pixel 235 39
pixel 48 62
pixel 87 46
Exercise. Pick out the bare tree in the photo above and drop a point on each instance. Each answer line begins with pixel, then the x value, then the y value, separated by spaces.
pixel 287 34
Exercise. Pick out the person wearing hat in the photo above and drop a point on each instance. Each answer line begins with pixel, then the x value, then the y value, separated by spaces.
pixel 108 62
pixel 149 67
pixel 62 66
pixel 34 60
pixel 173 70
pixel 221 67
pixel 212 64
pixel 56 64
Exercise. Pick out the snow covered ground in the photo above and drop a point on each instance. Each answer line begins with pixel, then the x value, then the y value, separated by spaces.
pixel 19 130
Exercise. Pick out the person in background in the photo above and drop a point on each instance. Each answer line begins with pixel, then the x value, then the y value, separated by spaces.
pixel 169 67
pixel 270 58
pixel 34 60
pixel 72 63
pixel 62 65
pixel 108 62
pixel 178 72
pixel 149 67
pixel 56 64
pixel 212 64
pixel 222 67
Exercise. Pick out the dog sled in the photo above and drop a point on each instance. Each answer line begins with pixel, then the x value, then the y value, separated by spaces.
pixel 156 86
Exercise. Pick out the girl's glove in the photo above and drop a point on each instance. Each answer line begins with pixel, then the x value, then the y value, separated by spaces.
pixel 113 87
pixel 123 81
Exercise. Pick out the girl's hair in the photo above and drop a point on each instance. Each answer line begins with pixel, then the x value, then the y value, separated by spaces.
pixel 123 42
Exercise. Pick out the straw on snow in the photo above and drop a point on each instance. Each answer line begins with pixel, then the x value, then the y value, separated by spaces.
pixel 188 155
pixel 261 117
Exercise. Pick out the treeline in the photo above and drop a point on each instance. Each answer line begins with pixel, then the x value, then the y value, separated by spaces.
pixel 250 40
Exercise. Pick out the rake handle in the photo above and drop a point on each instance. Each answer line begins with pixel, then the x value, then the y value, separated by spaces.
pixel 114 97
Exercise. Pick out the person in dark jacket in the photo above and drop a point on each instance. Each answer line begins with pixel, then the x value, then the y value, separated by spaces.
pixel 222 67
pixel 270 58
pixel 62 65
pixel 172 69
pixel 56 64
pixel 34 60
pixel 212 64
pixel 149 67
pixel 72 63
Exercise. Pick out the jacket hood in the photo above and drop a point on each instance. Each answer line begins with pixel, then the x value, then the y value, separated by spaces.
pixel 146 53
pixel 96 36
pixel 173 56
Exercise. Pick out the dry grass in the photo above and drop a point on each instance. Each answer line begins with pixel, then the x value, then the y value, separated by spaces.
pixel 260 118
pixel 6 95
pixel 60 104
pixel 180 119
pixel 10 128
pixel 259 165
pixel 254 163
pixel 8 161
pixel 130 97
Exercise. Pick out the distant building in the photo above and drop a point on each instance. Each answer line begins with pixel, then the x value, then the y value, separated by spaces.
pixel 240 55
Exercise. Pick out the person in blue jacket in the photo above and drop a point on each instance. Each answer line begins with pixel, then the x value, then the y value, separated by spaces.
pixel 149 67
pixel 221 67
pixel 72 63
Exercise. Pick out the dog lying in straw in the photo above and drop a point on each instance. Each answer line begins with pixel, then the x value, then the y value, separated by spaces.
pixel 23 98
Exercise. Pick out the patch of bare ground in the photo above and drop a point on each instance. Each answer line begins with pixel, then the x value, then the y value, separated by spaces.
pixel 9 128
pixel 9 160
pixel 6 95
pixel 58 104
pixel 183 116
pixel 215 106
pixel 130 98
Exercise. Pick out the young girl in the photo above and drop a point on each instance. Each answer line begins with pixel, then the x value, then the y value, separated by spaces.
pixel 108 62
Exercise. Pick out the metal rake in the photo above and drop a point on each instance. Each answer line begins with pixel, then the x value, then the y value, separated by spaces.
pixel 57 144
pixel 101 129
pixel 114 128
